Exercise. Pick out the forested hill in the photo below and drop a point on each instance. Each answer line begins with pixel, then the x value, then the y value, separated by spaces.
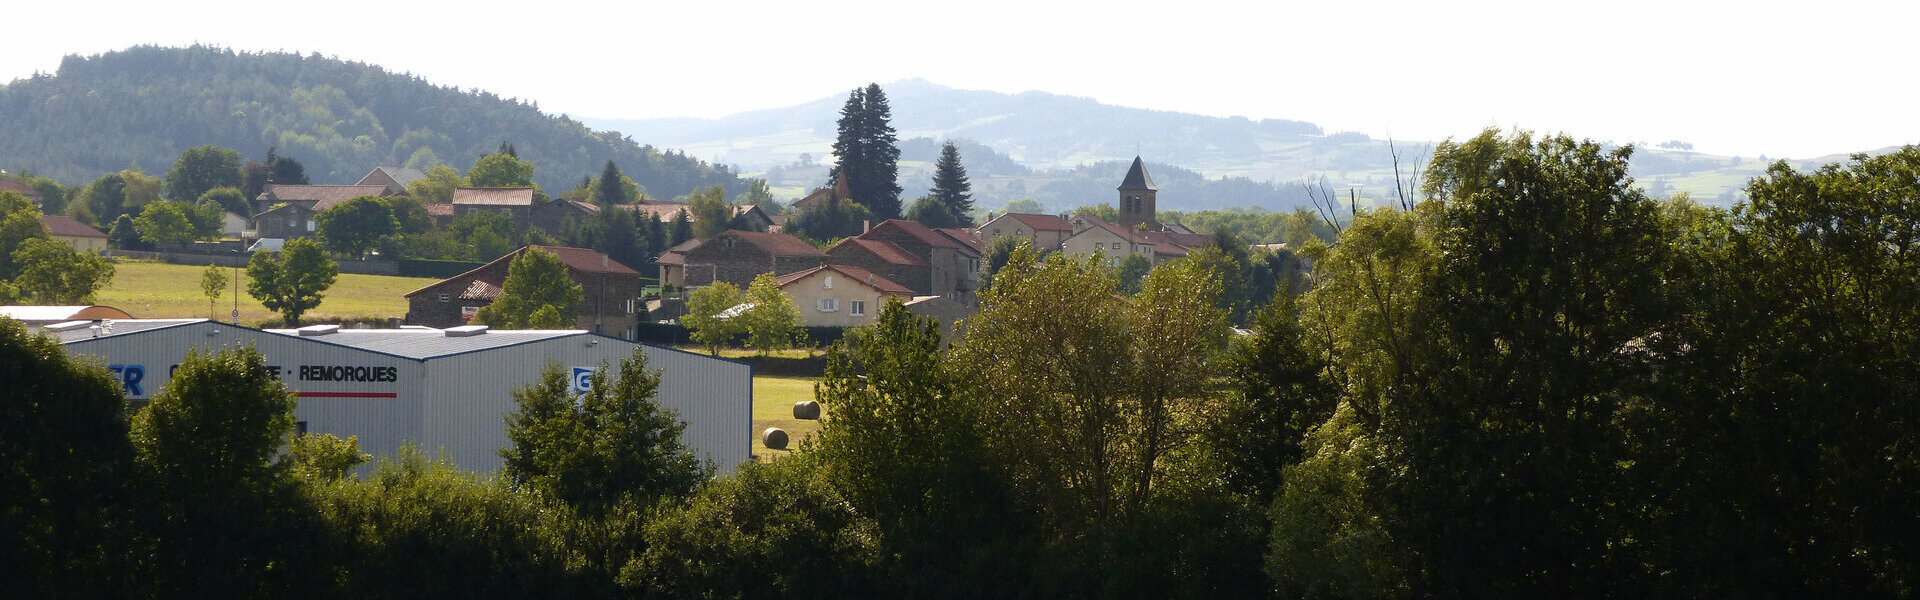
pixel 144 105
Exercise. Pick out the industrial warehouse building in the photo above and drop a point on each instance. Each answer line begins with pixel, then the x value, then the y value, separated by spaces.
pixel 443 389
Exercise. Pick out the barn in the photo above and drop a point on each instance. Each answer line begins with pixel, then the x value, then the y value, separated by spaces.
pixel 445 389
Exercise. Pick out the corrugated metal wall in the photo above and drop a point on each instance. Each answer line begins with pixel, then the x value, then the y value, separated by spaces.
pixel 382 414
pixel 469 396
pixel 457 403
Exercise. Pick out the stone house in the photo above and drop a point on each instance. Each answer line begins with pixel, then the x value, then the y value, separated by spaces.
pixel 745 216
pixel 736 256
pixel 556 215
pixel 611 304
pixel 515 202
pixel 839 295
pixel 287 211
pixel 313 198
pixel 820 196
pixel 928 261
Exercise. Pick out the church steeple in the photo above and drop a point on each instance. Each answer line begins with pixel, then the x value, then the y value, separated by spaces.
pixel 1137 195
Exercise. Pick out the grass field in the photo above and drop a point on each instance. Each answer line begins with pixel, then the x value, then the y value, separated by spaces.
pixel 154 290
pixel 773 399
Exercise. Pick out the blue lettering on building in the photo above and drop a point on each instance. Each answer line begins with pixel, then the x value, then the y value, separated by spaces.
pixel 130 376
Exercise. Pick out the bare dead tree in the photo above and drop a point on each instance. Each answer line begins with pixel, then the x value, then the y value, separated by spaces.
pixel 1405 184
pixel 1323 203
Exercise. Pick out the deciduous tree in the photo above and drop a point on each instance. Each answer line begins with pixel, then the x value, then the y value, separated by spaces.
pixel 536 281
pixel 51 272
pixel 213 282
pixel 773 322
pixel 290 281
pixel 357 226
pixel 704 319
pixel 203 168
pixel 164 223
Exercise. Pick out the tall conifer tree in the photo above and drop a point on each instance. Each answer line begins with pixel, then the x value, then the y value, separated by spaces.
pixel 950 185
pixel 867 151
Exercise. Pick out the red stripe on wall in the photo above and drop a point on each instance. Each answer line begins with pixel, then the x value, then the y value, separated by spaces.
pixel 349 395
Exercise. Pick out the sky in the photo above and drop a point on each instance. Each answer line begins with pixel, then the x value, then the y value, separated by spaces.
pixel 1779 79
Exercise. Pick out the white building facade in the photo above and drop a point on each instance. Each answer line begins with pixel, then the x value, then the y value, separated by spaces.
pixel 445 390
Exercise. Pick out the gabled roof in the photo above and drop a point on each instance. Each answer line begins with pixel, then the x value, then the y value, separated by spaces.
pixel 1137 178
pixel 65 226
pixel 856 274
pixel 920 232
pixel 1041 222
pixel 966 237
pixel 820 196
pixel 512 196
pixel 585 207
pixel 777 244
pixel 883 250
pixel 1129 235
pixel 400 176
pixel 9 185
pixel 319 197
pixel 438 209
pixel 481 289
pixel 576 259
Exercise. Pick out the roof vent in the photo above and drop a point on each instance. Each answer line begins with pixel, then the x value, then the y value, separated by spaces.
pixel 67 326
pixel 313 330
pixel 466 330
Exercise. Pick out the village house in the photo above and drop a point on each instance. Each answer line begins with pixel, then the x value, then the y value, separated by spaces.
pixel 287 211
pixel 32 195
pixel 820 196
pixel 839 295
pixel 394 179
pixel 611 305
pixel 1094 235
pixel 926 260
pixel 66 229
pixel 1044 232
pixel 736 256
pixel 556 215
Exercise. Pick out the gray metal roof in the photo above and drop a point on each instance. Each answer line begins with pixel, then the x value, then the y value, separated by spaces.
pixel 76 331
pixel 431 343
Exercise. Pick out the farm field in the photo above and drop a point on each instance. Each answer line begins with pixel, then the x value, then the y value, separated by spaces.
pixel 773 399
pixel 155 290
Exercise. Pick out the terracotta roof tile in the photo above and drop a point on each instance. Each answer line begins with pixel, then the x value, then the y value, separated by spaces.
pixel 777 244
pixel 856 274
pixel 885 251
pixel 1042 222
pixel 914 228
pixel 438 209
pixel 65 226
pixel 481 289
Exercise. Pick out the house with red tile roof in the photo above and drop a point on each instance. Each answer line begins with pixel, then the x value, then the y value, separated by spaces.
pixel 928 261
pixel 1045 232
pixel 833 295
pixel 611 305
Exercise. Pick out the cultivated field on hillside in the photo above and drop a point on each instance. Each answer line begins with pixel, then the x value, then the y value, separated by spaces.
pixel 153 290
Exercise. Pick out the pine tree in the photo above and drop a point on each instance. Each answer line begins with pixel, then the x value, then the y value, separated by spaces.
pixel 868 152
pixel 610 191
pixel 950 185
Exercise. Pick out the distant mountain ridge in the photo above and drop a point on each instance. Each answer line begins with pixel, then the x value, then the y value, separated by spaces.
pixel 143 105
pixel 1053 134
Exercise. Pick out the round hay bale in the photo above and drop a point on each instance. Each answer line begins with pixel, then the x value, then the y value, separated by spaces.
pixel 774 438
pixel 808 410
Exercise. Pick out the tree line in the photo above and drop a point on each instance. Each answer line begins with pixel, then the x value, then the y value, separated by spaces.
pixel 1534 382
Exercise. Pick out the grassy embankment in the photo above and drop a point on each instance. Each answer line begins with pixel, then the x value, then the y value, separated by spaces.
pixel 154 290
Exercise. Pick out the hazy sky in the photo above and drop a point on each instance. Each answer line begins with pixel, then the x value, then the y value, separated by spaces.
pixel 1783 79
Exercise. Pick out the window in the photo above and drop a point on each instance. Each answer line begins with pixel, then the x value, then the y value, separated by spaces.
pixel 828 305
pixel 996 231
pixel 1116 262
pixel 829 283
pixel 444 298
pixel 1116 245
pixel 309 225
pixel 1019 232
pixel 857 308
pixel 299 427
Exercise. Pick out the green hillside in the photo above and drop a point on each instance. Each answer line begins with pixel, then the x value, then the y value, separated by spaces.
pixel 143 105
